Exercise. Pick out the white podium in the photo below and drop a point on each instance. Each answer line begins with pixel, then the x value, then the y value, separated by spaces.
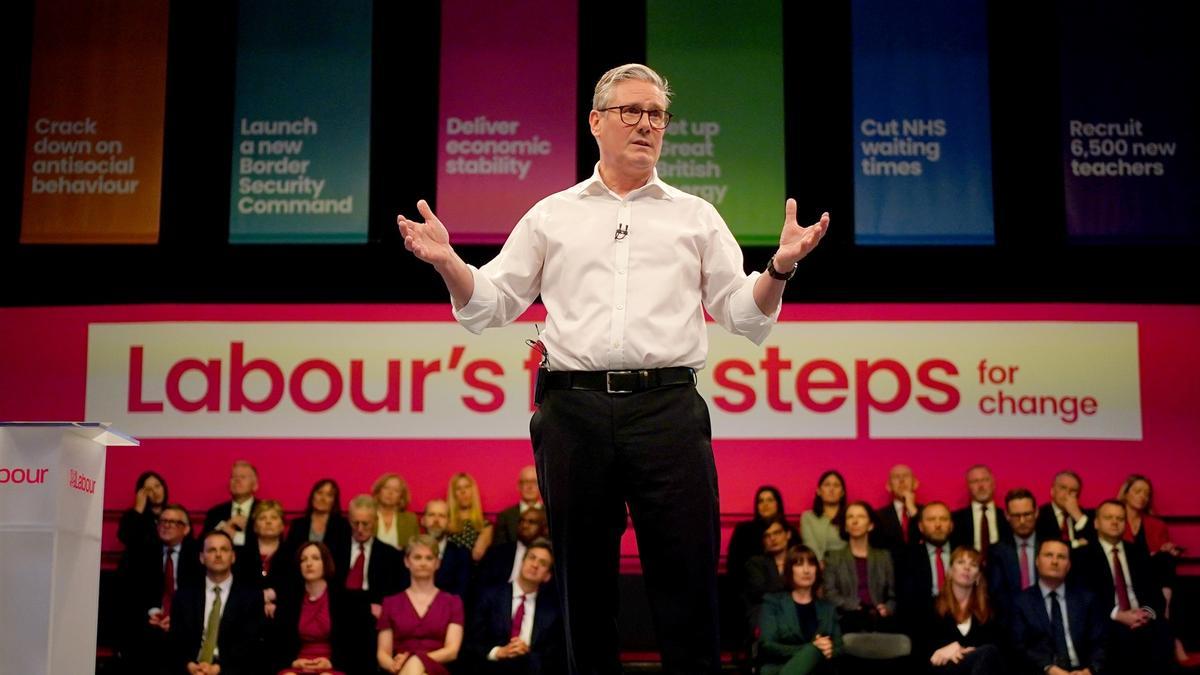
pixel 51 511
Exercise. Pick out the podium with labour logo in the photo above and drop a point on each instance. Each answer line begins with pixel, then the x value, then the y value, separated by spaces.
pixel 51 510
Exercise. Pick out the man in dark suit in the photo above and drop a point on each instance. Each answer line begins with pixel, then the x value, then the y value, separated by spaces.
pixel 502 563
pixel 981 524
pixel 1058 629
pixel 454 572
pixel 508 521
pixel 371 572
pixel 921 570
pixel 234 516
pixel 150 573
pixel 516 628
pixel 216 626
pixel 896 523
pixel 1062 518
pixel 1127 590
pixel 1013 564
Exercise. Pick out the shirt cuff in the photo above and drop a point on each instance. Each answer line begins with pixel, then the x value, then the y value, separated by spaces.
pixel 748 319
pixel 492 654
pixel 479 310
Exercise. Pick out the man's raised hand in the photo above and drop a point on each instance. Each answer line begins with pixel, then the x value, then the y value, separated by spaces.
pixel 428 240
pixel 795 241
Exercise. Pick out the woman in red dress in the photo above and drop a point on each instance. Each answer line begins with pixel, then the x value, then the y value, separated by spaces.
pixel 420 628
pixel 310 620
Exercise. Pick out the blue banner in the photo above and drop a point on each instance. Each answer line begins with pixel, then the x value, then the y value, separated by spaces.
pixel 302 122
pixel 922 124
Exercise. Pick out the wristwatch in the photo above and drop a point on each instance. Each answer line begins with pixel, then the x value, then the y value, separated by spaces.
pixel 775 274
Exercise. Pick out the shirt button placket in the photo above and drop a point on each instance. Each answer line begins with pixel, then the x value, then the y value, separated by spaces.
pixel 620 288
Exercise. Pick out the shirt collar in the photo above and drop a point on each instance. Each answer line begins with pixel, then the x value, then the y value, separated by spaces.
pixel 1061 590
pixel 594 185
pixel 208 586
pixel 1108 548
pixel 517 592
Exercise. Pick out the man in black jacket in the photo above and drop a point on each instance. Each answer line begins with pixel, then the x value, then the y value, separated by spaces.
pixel 216 626
pixel 1058 629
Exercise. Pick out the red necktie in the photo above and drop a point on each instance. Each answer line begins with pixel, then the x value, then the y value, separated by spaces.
pixel 518 618
pixel 168 582
pixel 354 581
pixel 1066 530
pixel 985 532
pixel 1025 581
pixel 941 568
pixel 1119 579
pixel 904 523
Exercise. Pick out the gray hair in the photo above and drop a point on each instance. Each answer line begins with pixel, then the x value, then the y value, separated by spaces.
pixel 364 501
pixel 629 71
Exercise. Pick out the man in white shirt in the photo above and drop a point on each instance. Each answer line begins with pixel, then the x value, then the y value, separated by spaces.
pixel 516 627
pixel 625 265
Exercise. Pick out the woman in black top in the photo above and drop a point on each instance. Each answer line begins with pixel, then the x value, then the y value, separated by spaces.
pixel 140 523
pixel 322 521
pixel 965 638
pixel 747 539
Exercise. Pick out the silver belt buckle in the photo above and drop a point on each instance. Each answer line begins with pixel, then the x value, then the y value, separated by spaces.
pixel 608 385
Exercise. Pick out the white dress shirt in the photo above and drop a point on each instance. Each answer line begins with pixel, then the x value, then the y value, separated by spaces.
pixel 1030 555
pixel 1108 556
pixel 993 531
pixel 1073 526
pixel 172 551
pixel 208 603
pixel 930 550
pixel 366 563
pixel 526 621
pixel 518 560
pixel 628 303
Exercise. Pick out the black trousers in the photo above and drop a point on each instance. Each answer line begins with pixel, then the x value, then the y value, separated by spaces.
pixel 598 452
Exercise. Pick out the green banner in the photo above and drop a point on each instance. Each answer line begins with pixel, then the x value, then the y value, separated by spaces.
pixel 302 122
pixel 725 63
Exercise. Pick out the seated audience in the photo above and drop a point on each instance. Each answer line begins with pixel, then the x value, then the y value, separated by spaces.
pixel 369 571
pixel 421 627
pixel 747 538
pixel 1147 531
pixel 467 527
pixel 311 622
pixel 516 627
pixel 1121 578
pixel 139 524
pixel 1058 628
pixel 821 527
pixel 396 523
pixel 965 637
pixel 896 522
pixel 322 520
pixel 503 562
pixel 454 562
pixel 257 567
pixel 216 626
pixel 981 524
pixel 233 517
pixel 1063 518
pixel 1013 566
pixel 799 632
pixel 921 571
pixel 150 572
pixel 507 525
pixel 767 572
pixel 860 583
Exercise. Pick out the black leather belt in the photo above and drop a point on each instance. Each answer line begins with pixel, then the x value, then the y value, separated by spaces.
pixel 620 381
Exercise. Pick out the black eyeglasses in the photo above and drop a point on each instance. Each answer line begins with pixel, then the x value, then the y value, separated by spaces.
pixel 631 115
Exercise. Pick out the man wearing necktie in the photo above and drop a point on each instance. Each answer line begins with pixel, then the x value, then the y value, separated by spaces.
pixel 981 524
pixel 217 626
pixel 1063 518
pixel 1058 629
pixel 1123 581
pixel 516 628
pixel 233 517
pixel 921 572
pixel 1012 567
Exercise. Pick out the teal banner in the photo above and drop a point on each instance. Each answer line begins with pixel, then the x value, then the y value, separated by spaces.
pixel 302 122
pixel 725 64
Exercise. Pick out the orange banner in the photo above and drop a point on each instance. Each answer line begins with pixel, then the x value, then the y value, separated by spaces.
pixel 94 141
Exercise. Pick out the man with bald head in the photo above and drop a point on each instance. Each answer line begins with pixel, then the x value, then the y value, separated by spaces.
pixel 921 570
pixel 507 525
pixel 981 524
pixel 897 520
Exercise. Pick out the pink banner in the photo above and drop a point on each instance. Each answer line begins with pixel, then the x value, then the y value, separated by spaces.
pixel 60 364
pixel 507 112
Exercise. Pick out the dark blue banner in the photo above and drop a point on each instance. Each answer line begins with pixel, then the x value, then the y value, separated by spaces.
pixel 922 124
pixel 1129 74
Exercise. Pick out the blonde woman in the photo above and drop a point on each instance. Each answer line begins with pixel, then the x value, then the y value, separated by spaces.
pixel 396 523
pixel 468 528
